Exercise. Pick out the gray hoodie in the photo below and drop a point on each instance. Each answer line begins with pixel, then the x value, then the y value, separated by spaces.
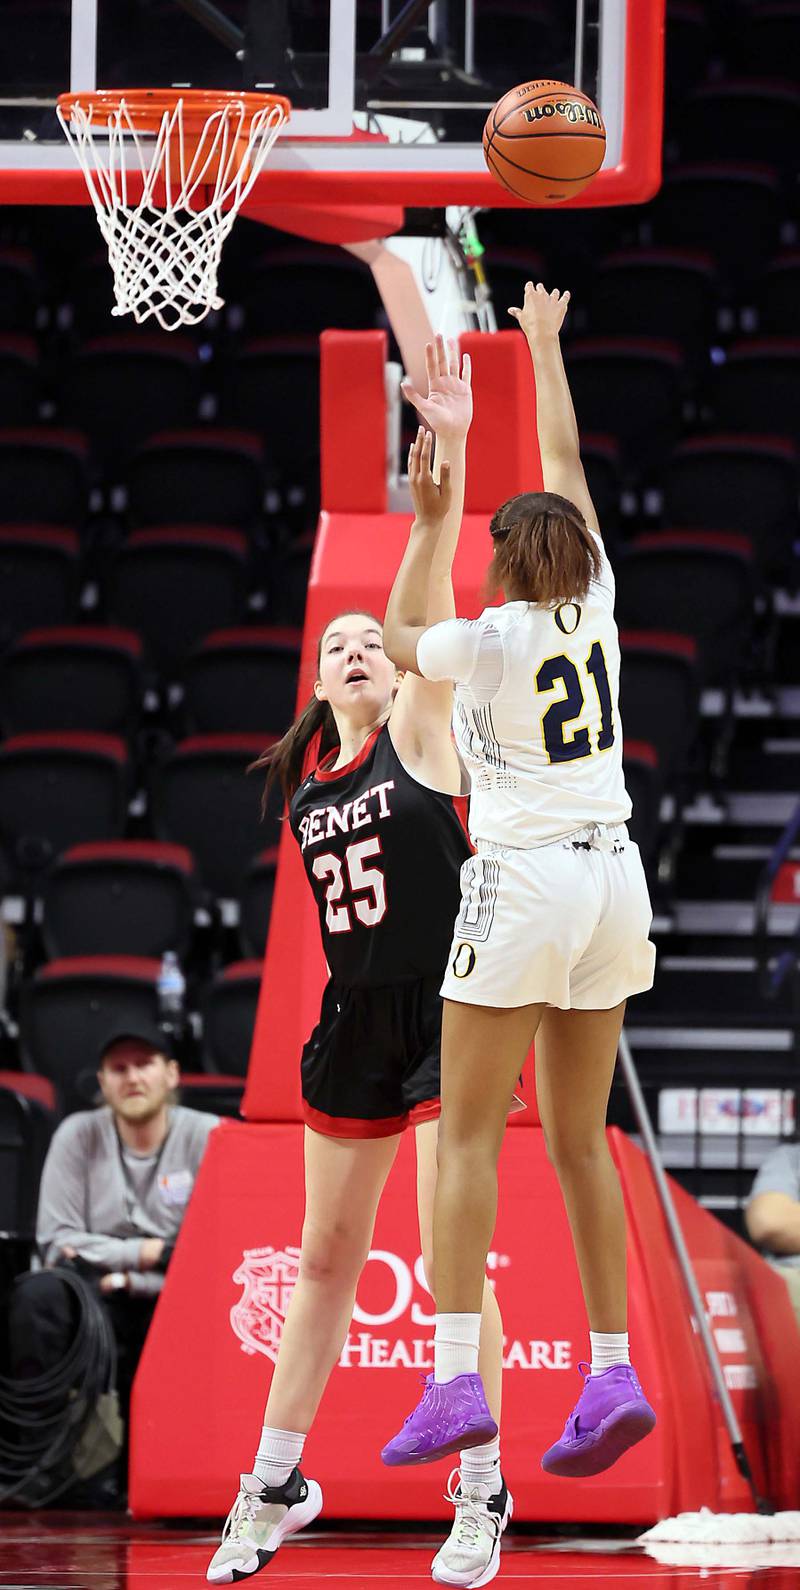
pixel 102 1198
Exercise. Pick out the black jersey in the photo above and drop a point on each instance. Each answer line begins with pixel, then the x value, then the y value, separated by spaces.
pixel 383 855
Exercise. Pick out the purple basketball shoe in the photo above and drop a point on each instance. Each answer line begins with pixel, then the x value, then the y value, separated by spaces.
pixel 450 1415
pixel 611 1414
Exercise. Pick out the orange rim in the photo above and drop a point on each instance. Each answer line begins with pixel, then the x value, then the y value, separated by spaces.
pixel 146 107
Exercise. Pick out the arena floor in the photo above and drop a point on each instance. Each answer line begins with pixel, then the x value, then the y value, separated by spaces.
pixel 87 1551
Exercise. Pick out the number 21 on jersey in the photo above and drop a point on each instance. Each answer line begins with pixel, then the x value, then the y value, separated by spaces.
pixel 560 745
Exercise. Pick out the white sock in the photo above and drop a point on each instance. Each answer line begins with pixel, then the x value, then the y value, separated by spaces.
pixel 455 1345
pixel 279 1451
pixel 608 1348
pixel 480 1465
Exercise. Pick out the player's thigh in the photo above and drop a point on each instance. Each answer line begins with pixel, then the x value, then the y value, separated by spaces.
pixel 483 1052
pixel 345 1178
pixel 576 1052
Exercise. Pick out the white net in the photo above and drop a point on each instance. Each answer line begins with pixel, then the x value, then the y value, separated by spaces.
pixel 166 200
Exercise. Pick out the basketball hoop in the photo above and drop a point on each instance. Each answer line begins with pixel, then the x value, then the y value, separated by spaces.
pixel 167 172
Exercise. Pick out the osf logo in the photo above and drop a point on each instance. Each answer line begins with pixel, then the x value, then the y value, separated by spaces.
pixel 268 1276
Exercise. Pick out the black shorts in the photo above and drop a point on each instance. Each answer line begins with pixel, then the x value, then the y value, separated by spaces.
pixel 371 1065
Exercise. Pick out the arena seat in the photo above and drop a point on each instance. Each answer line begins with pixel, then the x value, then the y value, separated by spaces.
pixel 61 789
pixel 290 588
pixel 70 1006
pixel 655 292
pixel 745 483
pixel 121 389
pixel 39 577
pixel 255 902
pixel 644 783
pixel 766 35
pixel 72 678
pixel 229 1014
pixel 659 694
pixel 305 289
pixel 778 296
pixel 665 577
pixel 202 797
pixel 20 290
pixel 758 387
pixel 174 585
pixel 124 897
pixel 20 380
pixel 688 45
pixel 44 476
pixel 203 476
pixel 695 205
pixel 745 118
pixel 631 387
pixel 216 1095
pixel 239 680
pixel 272 385
pixel 601 466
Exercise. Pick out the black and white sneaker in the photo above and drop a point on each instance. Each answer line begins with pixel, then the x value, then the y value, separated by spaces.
pixel 261 1518
pixel 471 1554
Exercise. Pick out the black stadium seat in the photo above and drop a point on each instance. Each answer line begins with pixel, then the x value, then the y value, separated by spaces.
pixel 124 897
pixel 728 481
pixel 745 119
pixel 61 789
pixel 20 290
pixel 643 782
pixel 601 463
pixel 44 476
pixel 71 678
pixel 655 292
pixel 204 798
pixel 272 386
pixel 758 387
pixel 242 680
pixel 70 1006
pixel 20 380
pixel 210 476
pixel 731 209
pixel 778 298
pixel 659 693
pixel 229 1014
pixel 25 1129
pixel 698 583
pixel 255 902
pixel 39 577
pixel 174 585
pixel 121 389
pixel 630 387
pixel 306 289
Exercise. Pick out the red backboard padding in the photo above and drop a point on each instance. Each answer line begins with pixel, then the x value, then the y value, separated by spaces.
pixel 203 1378
pixel 356 557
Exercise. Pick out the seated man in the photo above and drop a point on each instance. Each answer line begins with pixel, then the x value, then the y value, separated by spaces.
pixel 115 1185
pixel 772 1215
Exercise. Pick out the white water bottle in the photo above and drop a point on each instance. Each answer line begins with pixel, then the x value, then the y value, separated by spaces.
pixel 171 989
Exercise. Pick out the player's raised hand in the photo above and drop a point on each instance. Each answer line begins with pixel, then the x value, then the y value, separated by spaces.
pixel 431 502
pixel 542 313
pixel 448 406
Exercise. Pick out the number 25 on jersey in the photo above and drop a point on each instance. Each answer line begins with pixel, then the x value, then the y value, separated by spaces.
pixel 570 747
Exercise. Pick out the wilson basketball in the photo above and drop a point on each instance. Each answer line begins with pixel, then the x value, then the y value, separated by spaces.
pixel 544 141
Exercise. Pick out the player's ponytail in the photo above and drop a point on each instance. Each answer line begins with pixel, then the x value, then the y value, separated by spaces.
pixel 543 551
pixel 286 763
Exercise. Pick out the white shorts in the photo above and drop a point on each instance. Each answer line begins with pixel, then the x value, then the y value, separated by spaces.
pixel 566 924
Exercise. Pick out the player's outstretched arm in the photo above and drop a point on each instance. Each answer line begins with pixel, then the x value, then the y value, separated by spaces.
pixel 406 616
pixel 541 318
pixel 448 411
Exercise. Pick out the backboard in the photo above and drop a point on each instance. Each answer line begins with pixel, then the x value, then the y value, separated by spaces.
pixel 389 99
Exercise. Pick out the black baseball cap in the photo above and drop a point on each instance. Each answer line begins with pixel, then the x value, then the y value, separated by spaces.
pixel 142 1029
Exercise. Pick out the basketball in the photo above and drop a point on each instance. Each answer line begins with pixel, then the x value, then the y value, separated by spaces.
pixel 544 141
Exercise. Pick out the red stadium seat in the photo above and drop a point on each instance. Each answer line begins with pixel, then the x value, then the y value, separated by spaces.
pixel 240 680
pixel 72 678
pixel 70 1006
pixel 58 790
pixel 229 1014
pixel 39 577
pixel 208 475
pixel 123 897
pixel 203 797
pixel 174 585
pixel 44 476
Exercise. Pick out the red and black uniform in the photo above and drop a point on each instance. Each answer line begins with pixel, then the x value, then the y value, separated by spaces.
pixel 383 855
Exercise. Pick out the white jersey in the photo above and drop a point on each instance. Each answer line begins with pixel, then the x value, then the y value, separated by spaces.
pixel 536 715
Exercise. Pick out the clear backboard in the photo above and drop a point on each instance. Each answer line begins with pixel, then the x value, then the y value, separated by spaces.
pixel 389 98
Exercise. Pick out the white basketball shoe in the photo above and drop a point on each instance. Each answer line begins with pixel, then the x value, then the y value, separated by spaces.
pixel 261 1518
pixel 471 1554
